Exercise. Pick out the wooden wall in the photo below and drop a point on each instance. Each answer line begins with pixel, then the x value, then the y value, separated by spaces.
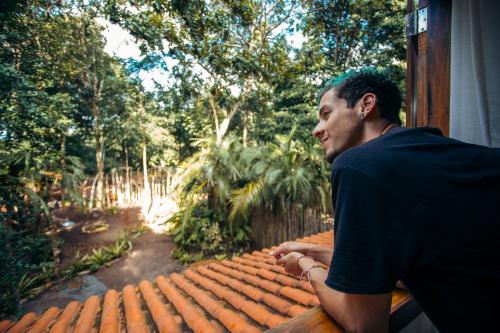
pixel 269 228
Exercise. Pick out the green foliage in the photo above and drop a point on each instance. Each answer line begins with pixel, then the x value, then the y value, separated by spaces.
pixel 29 286
pixel 138 230
pixel 221 184
pixel 196 232
pixel 221 256
pixel 69 110
pixel 285 172
pixel 27 265
pixel 186 257
pixel 357 33
pixel 101 256
pixel 22 253
pixel 113 210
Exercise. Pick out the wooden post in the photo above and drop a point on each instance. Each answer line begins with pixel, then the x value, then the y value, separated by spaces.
pixel 428 68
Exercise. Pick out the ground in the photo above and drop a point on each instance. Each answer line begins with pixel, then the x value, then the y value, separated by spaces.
pixel 150 256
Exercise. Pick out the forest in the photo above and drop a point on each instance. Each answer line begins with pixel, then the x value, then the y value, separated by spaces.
pixel 224 135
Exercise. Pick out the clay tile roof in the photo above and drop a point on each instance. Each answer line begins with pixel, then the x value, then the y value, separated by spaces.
pixel 245 294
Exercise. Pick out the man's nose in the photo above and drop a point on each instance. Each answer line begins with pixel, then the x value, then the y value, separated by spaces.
pixel 318 131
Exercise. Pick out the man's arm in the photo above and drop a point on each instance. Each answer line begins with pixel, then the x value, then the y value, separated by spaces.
pixel 354 312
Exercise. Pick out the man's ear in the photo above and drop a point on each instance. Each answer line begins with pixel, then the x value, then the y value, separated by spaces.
pixel 368 104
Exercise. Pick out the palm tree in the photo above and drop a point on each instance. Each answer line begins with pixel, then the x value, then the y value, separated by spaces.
pixel 210 174
pixel 273 179
pixel 282 177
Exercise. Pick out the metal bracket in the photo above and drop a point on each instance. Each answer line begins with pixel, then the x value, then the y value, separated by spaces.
pixel 422 20
pixel 416 22
pixel 411 24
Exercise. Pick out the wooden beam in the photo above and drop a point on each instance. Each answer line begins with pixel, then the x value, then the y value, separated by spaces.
pixel 411 75
pixel 438 64
pixel 428 68
pixel 315 320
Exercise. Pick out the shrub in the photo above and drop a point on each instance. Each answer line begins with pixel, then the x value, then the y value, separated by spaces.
pixel 201 235
pixel 22 254
pixel 222 183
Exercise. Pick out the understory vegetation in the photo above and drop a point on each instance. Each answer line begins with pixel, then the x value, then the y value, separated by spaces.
pixel 221 184
pixel 29 267
pixel 228 114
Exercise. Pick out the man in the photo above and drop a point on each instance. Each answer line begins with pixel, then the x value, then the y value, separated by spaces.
pixel 410 205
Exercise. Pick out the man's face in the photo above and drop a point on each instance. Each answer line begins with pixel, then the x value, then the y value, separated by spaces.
pixel 339 127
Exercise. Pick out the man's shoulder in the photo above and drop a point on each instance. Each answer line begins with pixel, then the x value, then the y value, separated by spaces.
pixel 416 150
pixel 371 152
pixel 397 147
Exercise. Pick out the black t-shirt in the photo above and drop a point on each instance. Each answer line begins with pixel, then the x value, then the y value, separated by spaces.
pixel 416 206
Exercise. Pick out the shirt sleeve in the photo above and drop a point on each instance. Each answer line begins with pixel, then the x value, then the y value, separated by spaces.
pixel 368 255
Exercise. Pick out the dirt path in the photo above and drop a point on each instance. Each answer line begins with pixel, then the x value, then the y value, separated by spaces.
pixel 150 257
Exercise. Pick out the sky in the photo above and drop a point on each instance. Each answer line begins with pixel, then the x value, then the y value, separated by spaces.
pixel 121 44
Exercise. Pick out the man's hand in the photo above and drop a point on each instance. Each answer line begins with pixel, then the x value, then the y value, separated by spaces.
pixel 318 253
pixel 287 247
pixel 354 312
pixel 290 262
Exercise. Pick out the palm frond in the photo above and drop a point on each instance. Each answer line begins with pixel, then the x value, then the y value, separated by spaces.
pixel 35 198
pixel 244 198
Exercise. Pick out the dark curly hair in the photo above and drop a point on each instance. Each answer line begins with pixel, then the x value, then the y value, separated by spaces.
pixel 353 84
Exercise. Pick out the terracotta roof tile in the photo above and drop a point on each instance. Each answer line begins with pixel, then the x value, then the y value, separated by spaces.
pixel 87 317
pixel 45 320
pixel 63 323
pixel 254 310
pixel 136 321
pixel 164 320
pixel 250 278
pixel 286 280
pixel 4 325
pixel 256 294
pixel 245 294
pixel 300 296
pixel 266 257
pixel 292 293
pixel 233 321
pixel 24 323
pixel 194 318
pixel 250 261
pixel 110 317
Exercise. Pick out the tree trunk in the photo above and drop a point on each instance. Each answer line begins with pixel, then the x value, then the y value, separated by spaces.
pixel 107 199
pixel 62 156
pixel 94 83
pixel 245 128
pixel 99 157
pixel 127 176
pixel 222 127
pixel 147 188
pixel 92 193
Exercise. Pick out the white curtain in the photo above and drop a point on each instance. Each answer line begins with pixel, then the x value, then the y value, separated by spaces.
pixel 475 72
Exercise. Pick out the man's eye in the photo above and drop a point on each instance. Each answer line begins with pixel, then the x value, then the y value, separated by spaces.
pixel 326 114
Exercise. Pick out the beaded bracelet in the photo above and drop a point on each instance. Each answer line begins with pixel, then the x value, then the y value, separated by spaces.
pixel 307 273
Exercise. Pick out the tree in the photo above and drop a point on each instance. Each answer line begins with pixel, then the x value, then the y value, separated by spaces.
pixel 234 46
pixel 357 33
pixel 33 114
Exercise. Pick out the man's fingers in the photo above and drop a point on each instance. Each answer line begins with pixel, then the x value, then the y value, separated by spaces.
pixel 288 247
pixel 283 259
pixel 279 251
